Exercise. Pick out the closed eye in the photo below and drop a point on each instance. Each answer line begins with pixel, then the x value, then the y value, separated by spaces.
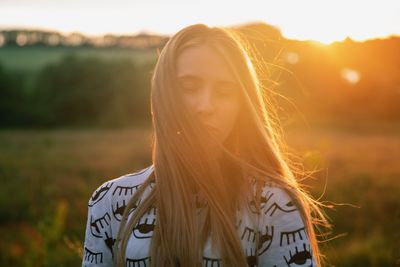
pixel 288 207
pixel 99 194
pixel 93 257
pixel 97 226
pixel 292 236
pixel 125 190
pixel 299 257
pixel 189 83
pixel 146 225
pixel 138 262
pixel 119 207
pixel 211 262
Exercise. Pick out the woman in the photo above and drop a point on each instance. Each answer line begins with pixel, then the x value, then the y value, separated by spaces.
pixel 219 191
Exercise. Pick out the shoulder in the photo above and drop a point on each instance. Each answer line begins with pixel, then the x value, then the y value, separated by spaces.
pixel 278 206
pixel 105 210
pixel 277 199
pixel 127 183
pixel 280 213
pixel 284 238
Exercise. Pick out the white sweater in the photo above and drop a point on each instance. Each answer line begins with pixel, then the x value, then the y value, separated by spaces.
pixel 283 239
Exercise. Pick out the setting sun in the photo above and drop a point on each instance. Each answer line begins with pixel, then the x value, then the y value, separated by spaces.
pixel 320 21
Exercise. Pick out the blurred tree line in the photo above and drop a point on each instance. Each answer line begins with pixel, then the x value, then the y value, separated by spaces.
pixel 345 80
pixel 77 92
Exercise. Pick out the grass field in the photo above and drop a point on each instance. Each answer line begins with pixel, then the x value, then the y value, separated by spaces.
pixel 48 176
pixel 31 59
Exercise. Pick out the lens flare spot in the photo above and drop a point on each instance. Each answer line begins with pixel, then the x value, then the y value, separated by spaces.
pixel 292 58
pixel 350 75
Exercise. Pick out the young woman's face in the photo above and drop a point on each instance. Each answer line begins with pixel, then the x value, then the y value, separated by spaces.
pixel 209 89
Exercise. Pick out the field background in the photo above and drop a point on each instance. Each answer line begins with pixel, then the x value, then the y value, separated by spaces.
pixel 48 174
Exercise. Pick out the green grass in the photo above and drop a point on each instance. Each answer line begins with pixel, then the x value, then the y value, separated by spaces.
pixel 31 59
pixel 48 176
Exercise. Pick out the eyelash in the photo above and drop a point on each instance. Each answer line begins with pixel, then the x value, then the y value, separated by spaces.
pixel 97 225
pixel 125 190
pixel 138 262
pixel 249 233
pixel 292 234
pixel 91 256
pixel 299 257
pixel 211 262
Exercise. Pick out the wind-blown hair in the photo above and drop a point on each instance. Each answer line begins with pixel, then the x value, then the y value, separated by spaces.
pixel 184 168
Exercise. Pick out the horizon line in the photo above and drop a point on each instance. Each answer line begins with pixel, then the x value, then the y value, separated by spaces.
pixel 149 32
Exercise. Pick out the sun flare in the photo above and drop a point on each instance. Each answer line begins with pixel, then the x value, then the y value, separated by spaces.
pixel 320 21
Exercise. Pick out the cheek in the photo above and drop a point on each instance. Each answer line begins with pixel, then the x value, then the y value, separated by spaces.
pixel 230 113
pixel 190 102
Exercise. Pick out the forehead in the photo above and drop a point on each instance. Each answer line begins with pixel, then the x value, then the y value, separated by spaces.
pixel 203 62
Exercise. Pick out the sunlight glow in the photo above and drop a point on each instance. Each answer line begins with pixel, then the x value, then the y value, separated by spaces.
pixel 350 75
pixel 292 58
pixel 323 21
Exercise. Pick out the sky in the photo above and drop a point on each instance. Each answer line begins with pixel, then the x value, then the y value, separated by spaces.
pixel 320 20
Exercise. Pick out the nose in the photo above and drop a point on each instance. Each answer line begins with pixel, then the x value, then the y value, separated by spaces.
pixel 206 103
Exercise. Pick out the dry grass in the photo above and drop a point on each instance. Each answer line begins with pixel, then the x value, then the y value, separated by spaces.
pixel 48 177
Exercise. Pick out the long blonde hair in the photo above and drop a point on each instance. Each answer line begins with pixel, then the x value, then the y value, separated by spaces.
pixel 183 166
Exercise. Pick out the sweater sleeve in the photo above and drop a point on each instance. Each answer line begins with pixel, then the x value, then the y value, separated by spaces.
pixel 283 239
pixel 97 250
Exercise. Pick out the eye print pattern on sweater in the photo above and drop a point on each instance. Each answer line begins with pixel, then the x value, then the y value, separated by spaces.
pixel 282 237
pixel 100 193
pixel 125 190
pixel 249 234
pixel 93 257
pixel 287 207
pixel 292 236
pixel 299 257
pixel 144 262
pixel 266 238
pixel 98 226
pixel 263 200
pixel 296 256
pixel 211 262
pixel 145 226
pixel 122 195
